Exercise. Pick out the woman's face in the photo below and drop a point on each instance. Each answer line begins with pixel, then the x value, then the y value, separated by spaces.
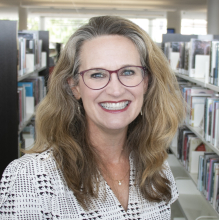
pixel 111 53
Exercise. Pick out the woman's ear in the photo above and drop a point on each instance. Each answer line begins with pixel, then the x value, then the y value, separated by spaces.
pixel 75 89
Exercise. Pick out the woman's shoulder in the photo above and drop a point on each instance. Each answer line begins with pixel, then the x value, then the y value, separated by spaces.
pixel 29 170
pixel 32 178
pixel 167 170
pixel 30 163
pixel 32 171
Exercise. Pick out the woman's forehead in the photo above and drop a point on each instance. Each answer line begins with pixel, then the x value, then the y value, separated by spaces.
pixel 108 49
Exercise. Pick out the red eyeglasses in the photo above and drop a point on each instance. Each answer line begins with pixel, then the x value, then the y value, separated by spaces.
pixel 97 78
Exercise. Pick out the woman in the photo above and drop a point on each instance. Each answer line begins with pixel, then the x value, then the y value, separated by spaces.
pixel 111 111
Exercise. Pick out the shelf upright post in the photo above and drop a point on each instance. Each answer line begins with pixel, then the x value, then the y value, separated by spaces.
pixel 8 93
pixel 44 36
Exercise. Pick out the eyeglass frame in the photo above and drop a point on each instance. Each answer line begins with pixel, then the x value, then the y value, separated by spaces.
pixel 110 72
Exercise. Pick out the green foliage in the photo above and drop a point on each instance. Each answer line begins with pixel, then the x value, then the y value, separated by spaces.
pixel 61 29
pixel 33 23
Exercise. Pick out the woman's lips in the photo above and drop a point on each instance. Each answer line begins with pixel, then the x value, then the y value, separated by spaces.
pixel 115 107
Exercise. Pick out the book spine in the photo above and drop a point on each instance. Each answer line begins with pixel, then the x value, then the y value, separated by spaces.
pixel 209 179
pixel 216 140
pixel 205 119
pixel 209 121
pixel 216 66
pixel 212 123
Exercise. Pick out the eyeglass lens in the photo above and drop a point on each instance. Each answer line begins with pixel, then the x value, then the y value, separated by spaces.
pixel 98 78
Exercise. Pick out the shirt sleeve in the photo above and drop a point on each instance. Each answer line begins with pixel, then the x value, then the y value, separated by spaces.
pixel 169 175
pixel 18 196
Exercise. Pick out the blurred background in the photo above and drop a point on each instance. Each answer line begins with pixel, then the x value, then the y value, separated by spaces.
pixel 61 18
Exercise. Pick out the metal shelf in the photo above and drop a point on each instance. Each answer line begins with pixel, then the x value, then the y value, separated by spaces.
pixel 53 54
pixel 199 81
pixel 31 73
pixel 192 202
pixel 28 119
pixel 26 122
pixel 200 134
pixel 192 176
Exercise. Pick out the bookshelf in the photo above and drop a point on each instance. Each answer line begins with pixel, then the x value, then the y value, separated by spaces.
pixel 186 180
pixel 9 129
pixel 192 202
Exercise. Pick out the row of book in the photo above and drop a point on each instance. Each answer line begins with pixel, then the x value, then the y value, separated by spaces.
pixel 30 92
pixel 26 137
pixel 30 54
pixel 196 58
pixel 198 159
pixel 202 110
pixel 189 148
pixel 208 177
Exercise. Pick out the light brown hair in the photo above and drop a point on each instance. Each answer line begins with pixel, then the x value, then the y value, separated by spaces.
pixel 61 127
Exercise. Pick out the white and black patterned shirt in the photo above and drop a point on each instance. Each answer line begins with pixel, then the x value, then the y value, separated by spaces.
pixel 32 188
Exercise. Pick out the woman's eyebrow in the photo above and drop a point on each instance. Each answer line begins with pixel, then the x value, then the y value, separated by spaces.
pixel 125 65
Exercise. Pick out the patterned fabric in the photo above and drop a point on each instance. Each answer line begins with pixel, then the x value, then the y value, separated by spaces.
pixel 32 188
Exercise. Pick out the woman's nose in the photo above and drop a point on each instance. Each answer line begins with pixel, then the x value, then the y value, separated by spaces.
pixel 114 87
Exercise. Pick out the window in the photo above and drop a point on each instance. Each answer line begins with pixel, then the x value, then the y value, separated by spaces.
pixel 154 27
pixel 194 26
pixel 143 23
pixel 60 29
pixel 159 27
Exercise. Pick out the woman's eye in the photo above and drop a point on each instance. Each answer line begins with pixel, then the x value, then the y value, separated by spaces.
pixel 97 75
pixel 128 73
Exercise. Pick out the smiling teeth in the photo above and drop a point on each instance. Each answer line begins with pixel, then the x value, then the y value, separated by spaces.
pixel 114 106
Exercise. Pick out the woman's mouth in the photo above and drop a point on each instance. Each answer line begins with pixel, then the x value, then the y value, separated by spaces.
pixel 114 105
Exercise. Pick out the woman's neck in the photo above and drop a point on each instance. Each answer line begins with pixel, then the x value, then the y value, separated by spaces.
pixel 109 143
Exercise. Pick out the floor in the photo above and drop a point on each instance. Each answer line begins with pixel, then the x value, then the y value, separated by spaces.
pixel 176 212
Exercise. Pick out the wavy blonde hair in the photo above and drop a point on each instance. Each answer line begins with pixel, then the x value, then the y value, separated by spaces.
pixel 60 126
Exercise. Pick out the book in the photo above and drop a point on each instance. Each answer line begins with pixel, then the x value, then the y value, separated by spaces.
pixel 213 182
pixel 210 177
pixel 184 144
pixel 20 112
pixel 21 56
pixel 208 117
pixel 181 57
pixel 216 126
pixel 216 184
pixel 35 45
pixel 29 88
pixel 197 111
pixel 216 70
pixel 22 103
pixel 200 173
pixel 194 92
pixel 186 58
pixel 35 83
pixel 193 154
pixel 172 53
pixel 207 157
pixel 186 147
pixel 212 67
pixel 180 141
pixel 213 118
pixel 35 87
pixel 198 47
